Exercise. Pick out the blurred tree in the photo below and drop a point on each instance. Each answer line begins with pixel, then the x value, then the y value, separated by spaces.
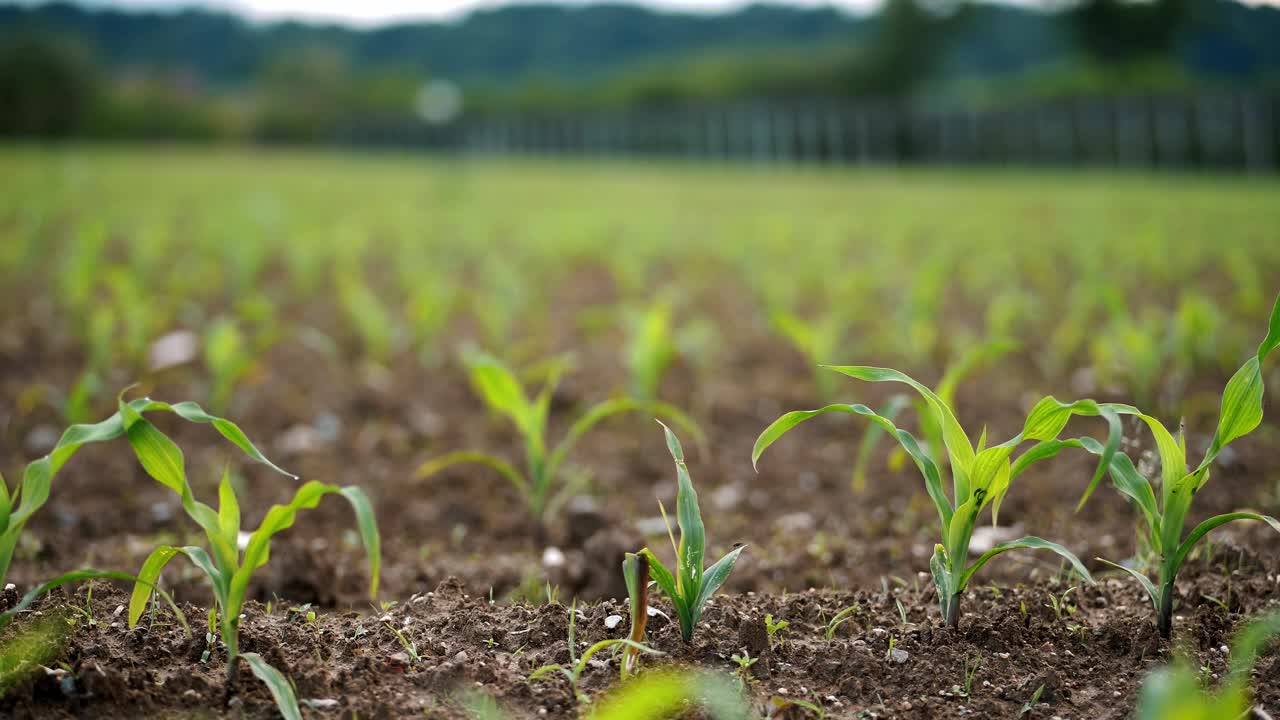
pixel 1124 30
pixel 47 87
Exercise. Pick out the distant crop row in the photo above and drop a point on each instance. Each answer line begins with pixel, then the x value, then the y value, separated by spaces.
pixel 371 263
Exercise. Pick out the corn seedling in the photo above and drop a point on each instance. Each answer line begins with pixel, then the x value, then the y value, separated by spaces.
pixel 816 340
pixel 410 647
pixel 635 570
pixel 366 312
pixel 692 586
pixel 18 504
pixel 1031 704
pixel 1165 518
pixel 1178 692
pixel 841 618
pixel 578 665
pixel 229 570
pixel 541 485
pixel 783 705
pixel 228 359
pixel 980 476
pixel 1059 604
pixel 970 672
pixel 773 630
pixel 743 673
pixel 649 348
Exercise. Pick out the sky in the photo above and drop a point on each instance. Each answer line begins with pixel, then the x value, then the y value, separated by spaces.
pixel 375 12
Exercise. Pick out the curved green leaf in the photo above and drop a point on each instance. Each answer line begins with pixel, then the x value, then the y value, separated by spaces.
pixel 616 406
pixel 953 436
pixel 1212 524
pixel 464 457
pixel 87 574
pixel 1143 580
pixel 276 682
pixel 281 517
pixel 1028 543
pixel 693 538
pixel 715 577
pixel 928 468
pixel 869 439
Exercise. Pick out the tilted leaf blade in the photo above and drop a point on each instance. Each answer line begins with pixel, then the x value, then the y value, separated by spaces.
pixel 281 690
pixel 715 577
pixel 1212 524
pixel 1027 543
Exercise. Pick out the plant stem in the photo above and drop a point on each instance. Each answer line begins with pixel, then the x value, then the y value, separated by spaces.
pixel 952 611
pixel 1164 616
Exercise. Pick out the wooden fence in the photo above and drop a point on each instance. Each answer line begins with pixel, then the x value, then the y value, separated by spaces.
pixel 1226 131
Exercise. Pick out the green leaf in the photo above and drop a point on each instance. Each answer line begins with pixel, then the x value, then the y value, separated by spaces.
pixel 609 408
pixel 693 538
pixel 194 413
pixel 667 583
pixel 1028 543
pixel 1143 580
pixel 159 456
pixel 499 387
pixel 1272 340
pixel 714 578
pixel 77 576
pixel 281 517
pixel 1250 642
pixel 1130 483
pixel 5 508
pixel 431 467
pixel 276 682
pixel 228 511
pixel 871 437
pixel 928 468
pixel 958 445
pixel 148 576
pixel 1213 523
pixel 943 580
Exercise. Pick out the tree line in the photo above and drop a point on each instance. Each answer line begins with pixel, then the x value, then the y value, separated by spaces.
pixel 70 71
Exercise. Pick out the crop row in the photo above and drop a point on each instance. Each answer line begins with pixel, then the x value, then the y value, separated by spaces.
pixel 981 475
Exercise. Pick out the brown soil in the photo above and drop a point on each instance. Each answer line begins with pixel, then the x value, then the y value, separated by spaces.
pixel 456 541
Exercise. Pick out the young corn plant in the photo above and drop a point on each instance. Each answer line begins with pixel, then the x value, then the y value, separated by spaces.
pixel 228 568
pixel 541 485
pixel 691 586
pixel 817 339
pixel 980 475
pixel 228 358
pixel 1165 518
pixel 635 570
pixel 1177 692
pixel 650 348
pixel 578 665
pixel 18 504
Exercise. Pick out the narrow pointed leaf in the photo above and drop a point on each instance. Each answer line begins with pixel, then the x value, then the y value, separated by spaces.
pixel 715 577
pixel 1212 524
pixel 78 576
pixel 281 690
pixel 465 457
pixel 1027 543
pixel 1143 580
